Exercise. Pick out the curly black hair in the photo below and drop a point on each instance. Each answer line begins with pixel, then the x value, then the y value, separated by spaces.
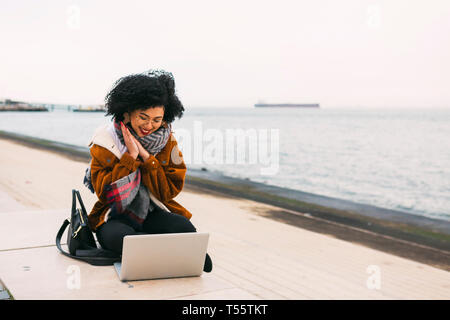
pixel 151 88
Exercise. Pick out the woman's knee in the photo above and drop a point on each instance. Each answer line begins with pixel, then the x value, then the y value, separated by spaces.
pixel 184 225
pixel 171 223
pixel 110 235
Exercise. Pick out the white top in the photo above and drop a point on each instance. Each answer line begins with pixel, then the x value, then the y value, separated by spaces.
pixel 113 133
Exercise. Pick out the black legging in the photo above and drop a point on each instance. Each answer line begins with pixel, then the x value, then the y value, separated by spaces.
pixel 110 234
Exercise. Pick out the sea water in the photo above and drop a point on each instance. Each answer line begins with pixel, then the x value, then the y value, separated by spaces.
pixel 393 158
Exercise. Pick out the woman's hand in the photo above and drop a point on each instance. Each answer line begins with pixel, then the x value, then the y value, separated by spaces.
pixel 142 152
pixel 130 141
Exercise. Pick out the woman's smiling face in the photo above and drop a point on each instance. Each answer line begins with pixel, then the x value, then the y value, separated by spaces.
pixel 145 121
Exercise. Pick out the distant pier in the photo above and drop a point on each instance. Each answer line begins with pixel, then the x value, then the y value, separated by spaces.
pixel 12 105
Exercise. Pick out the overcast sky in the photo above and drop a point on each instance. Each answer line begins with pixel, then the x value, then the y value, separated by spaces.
pixel 355 53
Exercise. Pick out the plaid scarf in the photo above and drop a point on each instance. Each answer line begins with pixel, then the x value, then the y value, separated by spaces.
pixel 128 197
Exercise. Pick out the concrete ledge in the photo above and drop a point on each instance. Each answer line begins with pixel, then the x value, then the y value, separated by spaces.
pixel 31 228
pixel 254 258
pixel 44 273
pixel 32 267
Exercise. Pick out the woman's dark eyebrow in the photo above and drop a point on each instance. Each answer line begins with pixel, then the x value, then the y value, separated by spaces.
pixel 149 117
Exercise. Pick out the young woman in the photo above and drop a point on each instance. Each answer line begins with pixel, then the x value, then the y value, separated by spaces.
pixel 136 168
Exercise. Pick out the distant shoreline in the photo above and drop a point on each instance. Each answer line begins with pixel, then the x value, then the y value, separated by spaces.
pixel 22 109
pixel 365 224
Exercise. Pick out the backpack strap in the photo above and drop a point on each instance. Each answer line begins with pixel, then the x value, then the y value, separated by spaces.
pixel 94 256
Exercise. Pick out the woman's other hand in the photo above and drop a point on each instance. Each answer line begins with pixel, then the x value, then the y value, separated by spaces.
pixel 130 142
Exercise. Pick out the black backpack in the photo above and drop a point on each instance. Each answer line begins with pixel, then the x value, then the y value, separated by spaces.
pixel 80 239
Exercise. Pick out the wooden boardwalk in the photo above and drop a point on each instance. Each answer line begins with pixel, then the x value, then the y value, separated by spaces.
pixel 254 258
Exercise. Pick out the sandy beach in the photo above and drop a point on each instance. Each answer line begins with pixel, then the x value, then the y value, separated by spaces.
pixel 260 251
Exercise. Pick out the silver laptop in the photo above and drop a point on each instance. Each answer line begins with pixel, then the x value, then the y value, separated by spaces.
pixel 166 255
